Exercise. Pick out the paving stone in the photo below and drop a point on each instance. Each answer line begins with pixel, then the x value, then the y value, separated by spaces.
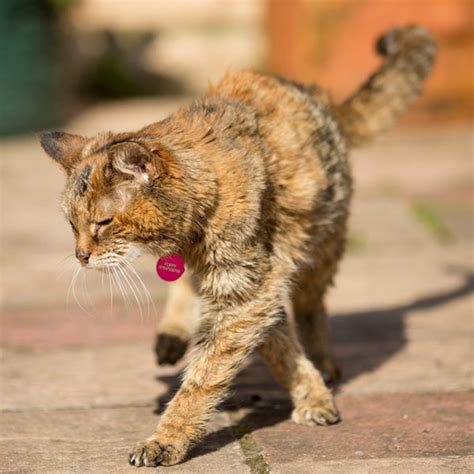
pixel 386 225
pixel 375 427
pixel 433 465
pixel 420 163
pixel 405 281
pixel 69 326
pixel 83 377
pixel 89 392
pixel 98 440
pixel 414 367
pixel 406 325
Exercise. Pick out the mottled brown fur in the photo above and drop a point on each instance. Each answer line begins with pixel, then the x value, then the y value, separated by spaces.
pixel 251 185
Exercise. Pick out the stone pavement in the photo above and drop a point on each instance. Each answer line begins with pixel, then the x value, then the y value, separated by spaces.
pixel 79 388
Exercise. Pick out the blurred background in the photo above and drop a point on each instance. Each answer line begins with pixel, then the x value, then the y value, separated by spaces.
pixel 87 66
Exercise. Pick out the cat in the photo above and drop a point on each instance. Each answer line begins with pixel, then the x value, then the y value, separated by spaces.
pixel 251 186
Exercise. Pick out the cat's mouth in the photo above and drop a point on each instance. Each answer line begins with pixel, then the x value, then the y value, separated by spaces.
pixel 112 259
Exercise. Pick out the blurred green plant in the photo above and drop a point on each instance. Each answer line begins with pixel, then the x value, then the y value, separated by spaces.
pixel 61 6
pixel 29 73
pixel 110 78
pixel 356 243
pixel 430 218
pixel 120 71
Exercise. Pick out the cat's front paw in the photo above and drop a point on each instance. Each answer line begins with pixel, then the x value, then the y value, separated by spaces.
pixel 170 348
pixel 154 452
pixel 320 411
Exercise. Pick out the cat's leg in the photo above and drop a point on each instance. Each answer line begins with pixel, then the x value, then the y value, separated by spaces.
pixel 312 400
pixel 179 322
pixel 311 320
pixel 234 322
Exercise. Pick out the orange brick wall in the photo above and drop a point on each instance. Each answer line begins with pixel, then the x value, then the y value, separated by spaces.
pixel 331 42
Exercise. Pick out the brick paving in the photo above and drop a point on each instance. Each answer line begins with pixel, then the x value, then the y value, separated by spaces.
pixel 77 390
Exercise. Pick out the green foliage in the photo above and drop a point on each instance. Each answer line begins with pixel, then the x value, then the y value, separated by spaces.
pixel 61 6
pixel 356 243
pixel 110 78
pixel 430 218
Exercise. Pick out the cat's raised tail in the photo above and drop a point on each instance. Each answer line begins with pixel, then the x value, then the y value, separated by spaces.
pixel 409 54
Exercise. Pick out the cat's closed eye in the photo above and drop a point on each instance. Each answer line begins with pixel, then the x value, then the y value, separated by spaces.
pixel 104 222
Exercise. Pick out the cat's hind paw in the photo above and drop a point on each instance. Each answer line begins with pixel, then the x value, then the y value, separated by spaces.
pixel 330 372
pixel 169 348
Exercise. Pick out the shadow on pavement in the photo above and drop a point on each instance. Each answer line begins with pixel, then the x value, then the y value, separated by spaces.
pixel 363 341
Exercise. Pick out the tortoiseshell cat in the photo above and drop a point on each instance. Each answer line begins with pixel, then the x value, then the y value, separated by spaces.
pixel 251 186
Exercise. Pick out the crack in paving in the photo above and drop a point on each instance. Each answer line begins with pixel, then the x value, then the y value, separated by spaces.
pixel 251 450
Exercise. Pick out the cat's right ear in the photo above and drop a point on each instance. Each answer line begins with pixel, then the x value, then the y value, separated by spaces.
pixel 62 147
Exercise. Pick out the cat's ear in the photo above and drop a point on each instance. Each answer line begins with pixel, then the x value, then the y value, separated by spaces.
pixel 134 160
pixel 62 147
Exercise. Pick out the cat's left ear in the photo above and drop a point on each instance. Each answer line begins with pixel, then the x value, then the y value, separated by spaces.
pixel 134 160
pixel 62 147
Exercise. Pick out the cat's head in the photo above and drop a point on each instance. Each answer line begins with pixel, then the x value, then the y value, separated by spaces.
pixel 120 196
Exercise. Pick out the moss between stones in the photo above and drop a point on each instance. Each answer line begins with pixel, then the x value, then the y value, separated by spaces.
pixel 252 452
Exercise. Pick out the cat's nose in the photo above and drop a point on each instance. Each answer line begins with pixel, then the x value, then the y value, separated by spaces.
pixel 83 255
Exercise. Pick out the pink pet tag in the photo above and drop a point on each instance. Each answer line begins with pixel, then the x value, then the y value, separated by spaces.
pixel 170 268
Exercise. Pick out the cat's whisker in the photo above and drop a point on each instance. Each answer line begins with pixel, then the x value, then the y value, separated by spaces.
pixel 116 285
pixel 126 280
pixel 74 292
pixel 136 288
pixel 63 262
pixel 111 290
pixel 102 279
pixel 85 290
pixel 74 276
pixel 119 282
pixel 64 259
pixel 145 289
pixel 145 292
pixel 126 265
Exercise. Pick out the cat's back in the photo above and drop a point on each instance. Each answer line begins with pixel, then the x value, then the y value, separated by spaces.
pixel 271 96
pixel 307 151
